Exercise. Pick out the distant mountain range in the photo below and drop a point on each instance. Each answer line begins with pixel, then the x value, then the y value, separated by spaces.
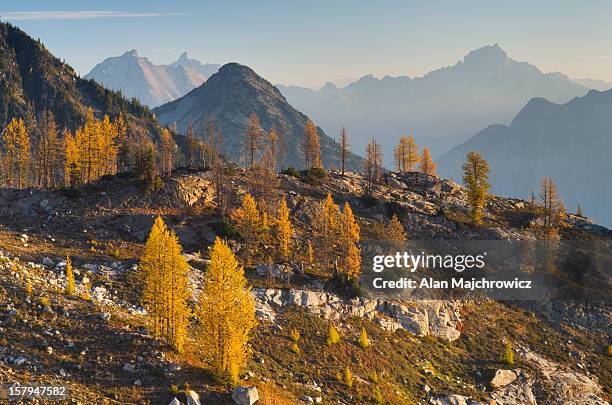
pixel 33 80
pixel 571 143
pixel 443 108
pixel 153 85
pixel 229 97
pixel 594 84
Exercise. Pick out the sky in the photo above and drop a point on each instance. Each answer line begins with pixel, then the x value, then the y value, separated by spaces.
pixel 308 43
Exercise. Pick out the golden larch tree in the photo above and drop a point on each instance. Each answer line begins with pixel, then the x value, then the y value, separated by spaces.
pixel 226 314
pixel 284 230
pixel 10 157
pixel 249 224
pixel 413 154
pixel 364 340
pixel 72 160
pixel 24 157
pixel 165 285
pixel 333 336
pixel 312 147
pixel 327 224
pixel 70 286
pixel 48 152
pixel 89 146
pixel 427 165
pixel 310 253
pixel 400 155
pixel 395 229
pixel 349 265
pixel 166 153
pixel 476 181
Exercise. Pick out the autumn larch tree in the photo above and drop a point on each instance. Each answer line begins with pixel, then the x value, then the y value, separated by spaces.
pixel 165 286
pixel 312 147
pixel 333 336
pixel 11 135
pixel 284 231
pixel 327 229
pixel 476 181
pixel 406 154
pixel 72 160
pixel 252 140
pixel 226 314
pixel 400 155
pixel 395 230
pixel 344 147
pixel 349 265
pixel 24 162
pixel 263 175
pixel 579 212
pixel 48 152
pixel 89 146
pixel 70 287
pixel 364 340
pixel 249 225
pixel 372 166
pixel 413 154
pixel 166 153
pixel 427 165
pixel 551 209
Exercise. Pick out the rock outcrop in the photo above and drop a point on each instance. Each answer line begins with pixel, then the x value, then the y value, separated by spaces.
pixel 423 318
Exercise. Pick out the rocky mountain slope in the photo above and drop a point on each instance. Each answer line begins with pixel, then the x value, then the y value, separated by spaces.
pixel 443 108
pixel 32 79
pixel 205 69
pixel 229 97
pixel 137 77
pixel 437 352
pixel 569 142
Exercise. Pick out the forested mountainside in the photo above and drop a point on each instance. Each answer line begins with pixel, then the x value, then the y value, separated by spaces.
pixel 32 80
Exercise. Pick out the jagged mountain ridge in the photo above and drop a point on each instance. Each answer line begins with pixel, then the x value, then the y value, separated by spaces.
pixel 32 79
pixel 594 84
pixel 229 97
pixel 205 69
pixel 442 108
pixel 569 142
pixel 153 85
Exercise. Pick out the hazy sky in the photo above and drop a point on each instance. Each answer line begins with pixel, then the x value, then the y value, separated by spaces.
pixel 310 42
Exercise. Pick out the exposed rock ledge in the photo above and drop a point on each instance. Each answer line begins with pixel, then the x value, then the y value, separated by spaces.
pixel 427 317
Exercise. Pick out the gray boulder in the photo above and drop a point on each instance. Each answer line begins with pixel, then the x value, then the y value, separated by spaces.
pixel 245 395
pixel 503 378
pixel 192 398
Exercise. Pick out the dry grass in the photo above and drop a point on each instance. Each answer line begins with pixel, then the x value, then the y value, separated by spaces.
pixel 272 394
